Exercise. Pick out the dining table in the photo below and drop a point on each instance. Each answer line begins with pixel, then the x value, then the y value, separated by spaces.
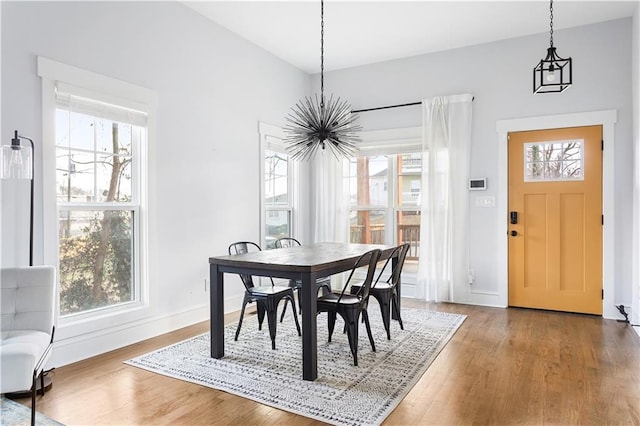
pixel 305 263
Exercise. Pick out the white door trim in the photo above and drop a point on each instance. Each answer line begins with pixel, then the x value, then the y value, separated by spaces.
pixel 607 119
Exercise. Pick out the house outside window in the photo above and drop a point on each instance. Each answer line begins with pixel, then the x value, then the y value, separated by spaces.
pixel 278 209
pixel 385 192
pixel 380 216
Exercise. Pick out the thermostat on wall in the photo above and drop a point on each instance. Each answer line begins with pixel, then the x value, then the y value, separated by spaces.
pixel 478 184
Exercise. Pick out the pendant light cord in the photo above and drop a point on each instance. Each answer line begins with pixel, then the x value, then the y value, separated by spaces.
pixel 551 23
pixel 321 53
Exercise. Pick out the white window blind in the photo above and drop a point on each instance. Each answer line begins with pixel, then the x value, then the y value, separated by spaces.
pixel 71 99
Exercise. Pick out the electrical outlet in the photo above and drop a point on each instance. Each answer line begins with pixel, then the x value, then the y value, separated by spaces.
pixel 206 285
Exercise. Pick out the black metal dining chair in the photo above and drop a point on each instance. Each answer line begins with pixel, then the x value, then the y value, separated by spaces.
pixel 351 306
pixel 386 292
pixel 266 297
pixel 323 283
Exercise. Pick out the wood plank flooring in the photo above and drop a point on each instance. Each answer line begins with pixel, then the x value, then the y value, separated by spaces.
pixel 503 366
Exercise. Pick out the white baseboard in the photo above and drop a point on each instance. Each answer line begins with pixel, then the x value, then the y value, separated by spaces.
pixel 70 350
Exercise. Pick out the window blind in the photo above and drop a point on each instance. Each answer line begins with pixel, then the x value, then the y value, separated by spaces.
pixel 72 99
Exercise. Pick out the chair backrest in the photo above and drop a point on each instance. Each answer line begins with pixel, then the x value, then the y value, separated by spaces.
pixel 370 260
pixel 243 247
pixel 394 278
pixel 27 297
pixel 287 242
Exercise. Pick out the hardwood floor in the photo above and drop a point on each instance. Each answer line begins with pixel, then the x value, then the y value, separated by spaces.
pixel 503 366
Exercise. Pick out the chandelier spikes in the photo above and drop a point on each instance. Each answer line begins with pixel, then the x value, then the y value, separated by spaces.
pixel 317 123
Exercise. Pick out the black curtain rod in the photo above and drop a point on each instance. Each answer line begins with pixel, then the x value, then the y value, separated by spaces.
pixel 391 106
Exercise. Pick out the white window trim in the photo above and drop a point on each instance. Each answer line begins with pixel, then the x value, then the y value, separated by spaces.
pixel 269 131
pixel 119 93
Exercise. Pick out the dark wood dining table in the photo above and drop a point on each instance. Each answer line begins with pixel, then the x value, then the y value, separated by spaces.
pixel 305 263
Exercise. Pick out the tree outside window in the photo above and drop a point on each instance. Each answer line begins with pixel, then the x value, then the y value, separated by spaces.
pixel 96 187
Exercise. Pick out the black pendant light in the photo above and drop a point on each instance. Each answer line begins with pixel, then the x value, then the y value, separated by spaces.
pixel 314 123
pixel 553 73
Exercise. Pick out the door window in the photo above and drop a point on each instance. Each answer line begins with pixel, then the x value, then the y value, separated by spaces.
pixel 553 161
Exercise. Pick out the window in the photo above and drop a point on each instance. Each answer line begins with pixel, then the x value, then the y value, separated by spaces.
pixel 385 189
pixel 277 198
pixel 368 199
pixel 98 148
pixel 382 216
pixel 553 161
pixel 277 188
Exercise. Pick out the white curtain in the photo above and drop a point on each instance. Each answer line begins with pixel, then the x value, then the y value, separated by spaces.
pixel 444 225
pixel 329 199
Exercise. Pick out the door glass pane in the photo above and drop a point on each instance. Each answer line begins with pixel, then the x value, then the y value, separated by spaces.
pixel 367 226
pixel 278 225
pixel 96 258
pixel 551 161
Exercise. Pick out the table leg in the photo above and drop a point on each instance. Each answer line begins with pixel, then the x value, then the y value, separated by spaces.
pixel 216 306
pixel 309 329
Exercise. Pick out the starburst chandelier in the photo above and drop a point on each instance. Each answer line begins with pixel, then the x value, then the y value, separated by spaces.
pixel 319 123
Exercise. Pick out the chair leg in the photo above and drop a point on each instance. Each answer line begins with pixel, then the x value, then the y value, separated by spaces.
pixel 385 310
pixel 244 304
pixel 394 300
pixel 261 311
pixel 331 323
pixel 33 399
pixel 284 309
pixel 272 321
pixel 365 316
pixel 295 314
pixel 300 301
pixel 352 335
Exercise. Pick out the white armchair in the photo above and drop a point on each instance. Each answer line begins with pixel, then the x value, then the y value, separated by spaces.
pixel 27 297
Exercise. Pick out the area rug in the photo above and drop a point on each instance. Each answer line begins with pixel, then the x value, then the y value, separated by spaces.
pixel 343 394
pixel 13 414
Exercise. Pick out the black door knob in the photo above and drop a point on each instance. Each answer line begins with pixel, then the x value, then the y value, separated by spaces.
pixel 514 233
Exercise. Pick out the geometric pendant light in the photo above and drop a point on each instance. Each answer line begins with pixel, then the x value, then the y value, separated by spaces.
pixel 553 74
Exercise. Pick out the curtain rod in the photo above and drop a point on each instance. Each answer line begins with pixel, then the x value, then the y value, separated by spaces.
pixel 391 106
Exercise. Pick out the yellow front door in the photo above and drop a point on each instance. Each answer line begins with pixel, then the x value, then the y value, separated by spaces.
pixel 555 219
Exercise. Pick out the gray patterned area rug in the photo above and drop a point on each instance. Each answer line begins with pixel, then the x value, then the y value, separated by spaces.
pixel 15 414
pixel 342 394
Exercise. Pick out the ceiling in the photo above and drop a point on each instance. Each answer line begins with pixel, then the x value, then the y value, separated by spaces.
pixel 364 32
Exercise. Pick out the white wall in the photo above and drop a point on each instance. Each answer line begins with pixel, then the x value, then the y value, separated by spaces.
pixel 499 75
pixel 213 87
